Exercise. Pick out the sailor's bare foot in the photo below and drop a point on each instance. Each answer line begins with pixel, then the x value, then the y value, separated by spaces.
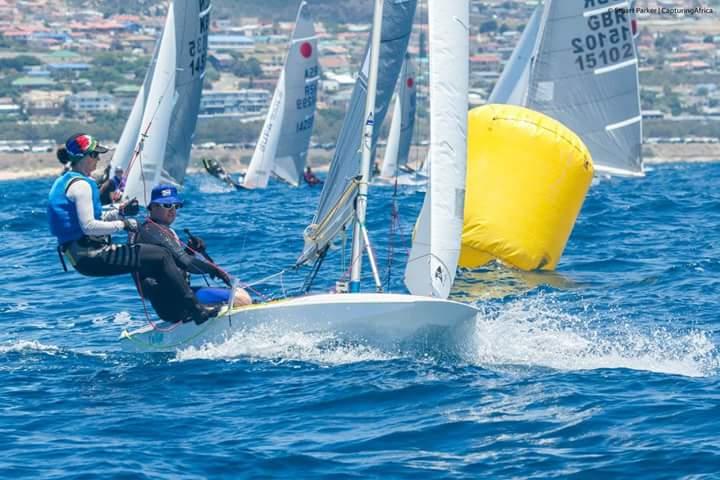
pixel 242 298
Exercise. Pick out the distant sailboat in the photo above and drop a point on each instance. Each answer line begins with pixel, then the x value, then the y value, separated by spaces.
pixel 577 62
pixel 389 318
pixel 335 208
pixel 395 168
pixel 155 144
pixel 282 147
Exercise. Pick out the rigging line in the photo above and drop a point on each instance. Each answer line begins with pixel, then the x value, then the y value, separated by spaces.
pixel 313 273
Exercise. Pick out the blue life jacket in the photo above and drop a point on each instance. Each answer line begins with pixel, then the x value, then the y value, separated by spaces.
pixel 62 214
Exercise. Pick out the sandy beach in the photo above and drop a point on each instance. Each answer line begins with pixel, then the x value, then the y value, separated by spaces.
pixel 14 166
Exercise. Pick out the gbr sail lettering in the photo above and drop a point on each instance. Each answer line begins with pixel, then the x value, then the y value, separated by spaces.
pixel 609 40
pixel 197 48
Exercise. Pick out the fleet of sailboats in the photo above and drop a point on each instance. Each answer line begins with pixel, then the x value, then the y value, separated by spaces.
pixel 432 263
pixel 550 70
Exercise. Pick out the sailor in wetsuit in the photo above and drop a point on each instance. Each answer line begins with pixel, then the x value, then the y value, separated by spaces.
pixel 157 230
pixel 214 168
pixel 83 232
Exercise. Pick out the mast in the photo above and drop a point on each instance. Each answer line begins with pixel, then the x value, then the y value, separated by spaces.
pixel 366 149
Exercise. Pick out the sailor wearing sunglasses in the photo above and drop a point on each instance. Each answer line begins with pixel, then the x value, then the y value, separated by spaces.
pixel 156 230
pixel 83 232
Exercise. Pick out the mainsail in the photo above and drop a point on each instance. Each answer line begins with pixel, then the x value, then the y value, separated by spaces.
pixel 167 104
pixel 584 73
pixel 397 151
pixel 292 111
pixel 335 206
pixel 435 250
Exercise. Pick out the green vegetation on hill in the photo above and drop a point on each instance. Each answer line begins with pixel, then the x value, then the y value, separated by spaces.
pixel 107 127
pixel 267 10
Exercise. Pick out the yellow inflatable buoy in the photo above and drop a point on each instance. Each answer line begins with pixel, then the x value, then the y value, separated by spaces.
pixel 527 177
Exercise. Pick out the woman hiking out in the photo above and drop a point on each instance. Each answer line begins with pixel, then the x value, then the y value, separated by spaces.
pixel 84 233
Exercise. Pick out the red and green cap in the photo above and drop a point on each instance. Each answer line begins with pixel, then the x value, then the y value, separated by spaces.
pixel 82 144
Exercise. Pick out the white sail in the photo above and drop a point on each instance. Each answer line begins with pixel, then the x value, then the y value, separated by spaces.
pixel 162 122
pixel 258 172
pixel 146 169
pixel 397 151
pixel 123 154
pixel 127 143
pixel 292 111
pixel 583 72
pixel 390 159
pixel 435 250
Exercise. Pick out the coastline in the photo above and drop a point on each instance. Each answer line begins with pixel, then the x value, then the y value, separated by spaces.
pixel 24 166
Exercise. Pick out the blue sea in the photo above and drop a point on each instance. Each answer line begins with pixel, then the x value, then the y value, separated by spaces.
pixel 606 368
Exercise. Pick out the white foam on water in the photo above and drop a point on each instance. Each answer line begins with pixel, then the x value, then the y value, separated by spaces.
pixel 537 332
pixel 18 307
pixel 20 346
pixel 125 319
pixel 212 185
pixel 269 342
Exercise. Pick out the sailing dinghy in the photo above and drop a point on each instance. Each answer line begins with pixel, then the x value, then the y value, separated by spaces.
pixel 431 269
pixel 154 146
pixel 282 147
pixel 577 63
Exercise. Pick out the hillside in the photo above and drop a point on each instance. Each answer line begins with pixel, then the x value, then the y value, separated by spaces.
pixel 267 10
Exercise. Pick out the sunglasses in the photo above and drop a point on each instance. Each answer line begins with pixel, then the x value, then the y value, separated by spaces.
pixel 169 206
pixel 94 154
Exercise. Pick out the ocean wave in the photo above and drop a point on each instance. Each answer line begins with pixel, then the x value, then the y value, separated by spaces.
pixel 268 342
pixel 537 332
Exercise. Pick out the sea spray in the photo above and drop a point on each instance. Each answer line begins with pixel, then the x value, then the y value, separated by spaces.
pixel 536 331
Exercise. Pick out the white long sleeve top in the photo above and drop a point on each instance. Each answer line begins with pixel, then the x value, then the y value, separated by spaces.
pixel 80 193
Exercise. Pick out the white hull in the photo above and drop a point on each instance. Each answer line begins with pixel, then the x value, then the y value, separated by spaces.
pixel 385 318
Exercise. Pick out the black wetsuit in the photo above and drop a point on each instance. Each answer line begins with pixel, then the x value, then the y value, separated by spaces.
pixel 163 295
pixel 96 257
pixel 216 170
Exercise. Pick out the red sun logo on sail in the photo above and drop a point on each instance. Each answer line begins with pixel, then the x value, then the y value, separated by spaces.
pixel 410 82
pixel 306 49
